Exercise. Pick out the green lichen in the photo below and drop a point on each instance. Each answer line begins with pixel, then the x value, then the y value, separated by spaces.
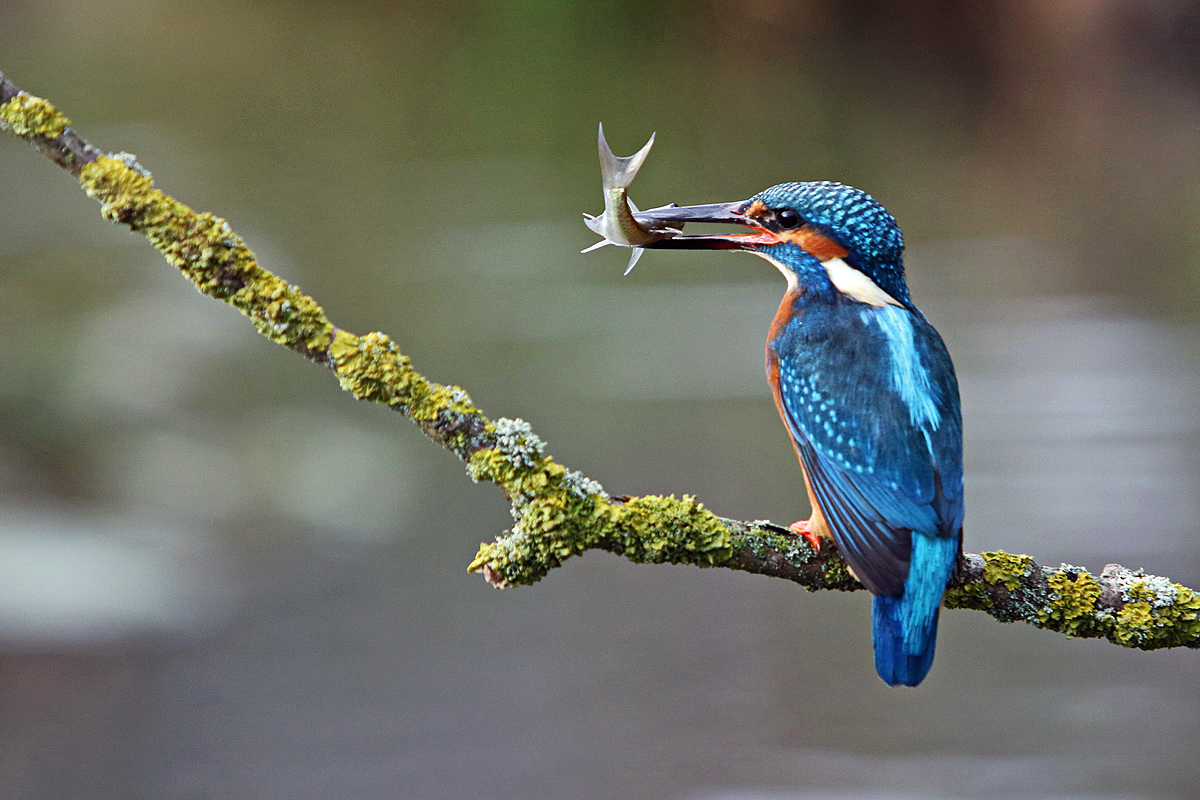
pixel 558 515
pixel 659 529
pixel 32 116
pixel 371 367
pixel 431 400
pixel 1164 615
pixel 553 521
pixel 1072 607
pixel 1006 569
pixel 544 537
pixel 1128 608
pixel 1139 591
pixel 1134 624
pixel 219 263
pixel 558 523
pixel 1000 569
pixel 209 253
pixel 971 595
pixel 282 313
pixel 516 478
pixel 837 575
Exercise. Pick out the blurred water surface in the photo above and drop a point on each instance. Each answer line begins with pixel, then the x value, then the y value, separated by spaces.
pixel 222 578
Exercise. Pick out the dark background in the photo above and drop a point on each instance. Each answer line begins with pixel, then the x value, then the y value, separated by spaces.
pixel 222 578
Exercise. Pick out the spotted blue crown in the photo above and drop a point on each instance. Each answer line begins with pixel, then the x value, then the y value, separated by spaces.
pixel 853 219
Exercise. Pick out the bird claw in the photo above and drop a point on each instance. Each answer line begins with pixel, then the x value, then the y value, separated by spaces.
pixel 801 529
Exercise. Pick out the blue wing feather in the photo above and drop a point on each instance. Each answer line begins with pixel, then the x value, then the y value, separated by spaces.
pixel 880 437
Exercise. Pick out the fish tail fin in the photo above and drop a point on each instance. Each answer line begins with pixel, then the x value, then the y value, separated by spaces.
pixel 633 259
pixel 617 171
pixel 904 628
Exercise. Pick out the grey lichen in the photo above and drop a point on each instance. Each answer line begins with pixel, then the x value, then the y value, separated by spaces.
pixel 516 439
pixel 131 161
pixel 582 486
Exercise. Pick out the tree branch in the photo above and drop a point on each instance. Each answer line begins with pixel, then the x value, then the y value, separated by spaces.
pixel 560 513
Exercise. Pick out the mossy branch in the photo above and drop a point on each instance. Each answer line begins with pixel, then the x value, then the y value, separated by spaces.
pixel 559 512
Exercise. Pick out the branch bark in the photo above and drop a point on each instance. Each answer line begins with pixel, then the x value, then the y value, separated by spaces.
pixel 561 513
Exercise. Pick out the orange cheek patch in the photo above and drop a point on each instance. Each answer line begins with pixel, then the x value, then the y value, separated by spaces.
pixel 806 238
pixel 821 247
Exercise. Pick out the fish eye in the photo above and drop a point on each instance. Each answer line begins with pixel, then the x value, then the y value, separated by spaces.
pixel 787 218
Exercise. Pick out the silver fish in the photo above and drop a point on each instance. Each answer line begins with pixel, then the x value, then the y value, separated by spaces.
pixel 616 224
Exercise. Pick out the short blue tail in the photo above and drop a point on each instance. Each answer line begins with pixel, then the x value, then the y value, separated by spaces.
pixel 896 664
pixel 904 628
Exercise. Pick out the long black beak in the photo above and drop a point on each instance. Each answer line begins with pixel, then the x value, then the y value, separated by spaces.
pixel 674 216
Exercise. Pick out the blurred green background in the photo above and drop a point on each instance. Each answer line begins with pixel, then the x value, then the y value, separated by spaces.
pixel 222 578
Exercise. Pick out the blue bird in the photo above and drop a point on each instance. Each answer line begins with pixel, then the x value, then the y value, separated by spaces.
pixel 867 393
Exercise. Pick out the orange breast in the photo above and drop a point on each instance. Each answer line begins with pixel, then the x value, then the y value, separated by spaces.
pixel 816 522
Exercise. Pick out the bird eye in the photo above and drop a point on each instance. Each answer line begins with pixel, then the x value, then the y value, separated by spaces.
pixel 787 218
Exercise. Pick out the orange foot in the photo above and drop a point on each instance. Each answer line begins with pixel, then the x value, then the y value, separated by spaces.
pixel 801 529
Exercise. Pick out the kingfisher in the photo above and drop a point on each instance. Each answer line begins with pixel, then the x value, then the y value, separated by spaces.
pixel 868 396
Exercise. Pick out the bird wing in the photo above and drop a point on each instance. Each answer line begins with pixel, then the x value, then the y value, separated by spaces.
pixel 879 437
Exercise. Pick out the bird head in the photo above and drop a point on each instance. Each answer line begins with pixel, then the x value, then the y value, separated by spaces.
pixel 819 234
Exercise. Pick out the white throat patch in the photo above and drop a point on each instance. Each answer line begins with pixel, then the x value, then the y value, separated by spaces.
pixel 856 285
pixel 845 278
pixel 793 282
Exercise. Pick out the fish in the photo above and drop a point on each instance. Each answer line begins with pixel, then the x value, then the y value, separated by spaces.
pixel 616 223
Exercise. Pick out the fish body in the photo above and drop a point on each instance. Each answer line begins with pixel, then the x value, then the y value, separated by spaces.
pixel 616 223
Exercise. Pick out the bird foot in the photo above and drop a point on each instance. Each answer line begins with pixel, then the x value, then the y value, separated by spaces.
pixel 801 529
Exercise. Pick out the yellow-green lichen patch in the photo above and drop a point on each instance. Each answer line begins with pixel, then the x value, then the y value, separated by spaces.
pixel 429 400
pixel 344 348
pixel 489 464
pixel 1003 587
pixel 972 595
pixel 559 514
pixel 1001 568
pixel 1134 624
pixel 1159 614
pixel 516 462
pixel 27 115
pixel 665 529
pixel 1140 590
pixel 371 367
pixel 551 527
pixel 1180 621
pixel 1072 606
pixel 124 194
pixel 288 316
pixel 514 476
pixel 556 525
pixel 523 557
pixel 209 253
